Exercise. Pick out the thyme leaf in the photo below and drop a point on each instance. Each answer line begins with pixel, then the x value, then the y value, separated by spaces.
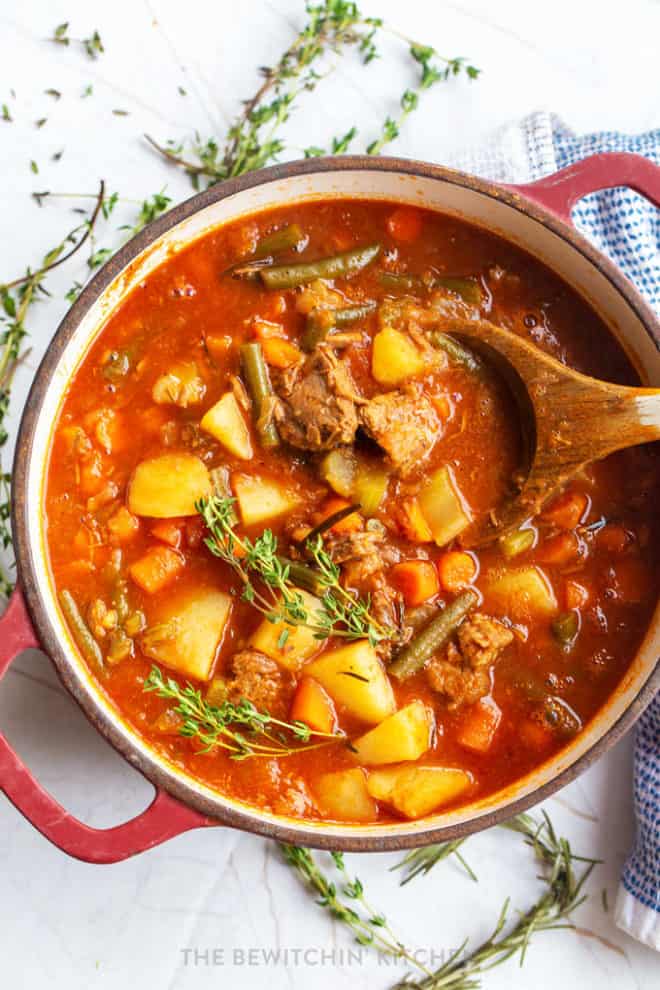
pixel 218 725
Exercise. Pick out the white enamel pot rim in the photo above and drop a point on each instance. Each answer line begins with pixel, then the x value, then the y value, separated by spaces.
pixel 500 210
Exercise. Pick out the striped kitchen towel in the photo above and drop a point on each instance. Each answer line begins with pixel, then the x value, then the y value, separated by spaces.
pixel 625 226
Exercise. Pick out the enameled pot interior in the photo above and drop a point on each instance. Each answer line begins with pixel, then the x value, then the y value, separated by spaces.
pixel 447 192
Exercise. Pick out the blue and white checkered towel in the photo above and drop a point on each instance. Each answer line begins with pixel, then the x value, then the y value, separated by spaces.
pixel 625 226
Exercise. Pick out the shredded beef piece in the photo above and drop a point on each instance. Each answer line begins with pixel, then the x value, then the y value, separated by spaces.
pixel 404 424
pixel 463 676
pixel 260 680
pixel 482 639
pixel 316 405
pixel 361 554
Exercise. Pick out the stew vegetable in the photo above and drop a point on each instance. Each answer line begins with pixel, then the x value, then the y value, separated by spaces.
pixel 261 482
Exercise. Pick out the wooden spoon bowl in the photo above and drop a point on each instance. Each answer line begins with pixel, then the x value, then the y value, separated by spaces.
pixel 568 420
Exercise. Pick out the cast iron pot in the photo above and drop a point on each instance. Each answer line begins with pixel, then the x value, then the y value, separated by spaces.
pixel 535 217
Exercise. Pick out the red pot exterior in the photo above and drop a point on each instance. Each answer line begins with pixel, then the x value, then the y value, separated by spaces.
pixel 166 816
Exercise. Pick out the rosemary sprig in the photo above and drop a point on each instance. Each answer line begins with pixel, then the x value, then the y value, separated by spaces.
pixel 420 861
pixel 341 614
pixel 463 970
pixel 220 725
pixel 348 904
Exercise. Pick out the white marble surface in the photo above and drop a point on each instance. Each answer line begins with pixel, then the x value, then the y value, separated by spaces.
pixel 65 924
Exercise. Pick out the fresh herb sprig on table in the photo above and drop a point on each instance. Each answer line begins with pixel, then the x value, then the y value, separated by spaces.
pixel 253 140
pixel 463 970
pixel 239 728
pixel 340 614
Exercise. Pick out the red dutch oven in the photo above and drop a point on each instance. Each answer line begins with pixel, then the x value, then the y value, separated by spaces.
pixel 536 217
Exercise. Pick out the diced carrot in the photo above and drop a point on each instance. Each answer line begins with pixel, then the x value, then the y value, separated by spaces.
pixel 479 726
pixel 106 427
pixel 575 595
pixel 443 406
pixel 157 568
pixel 560 549
pixel 613 538
pixel 631 579
pixel 567 511
pixel 413 523
pixel 123 525
pixel 313 706
pixel 535 735
pixel 274 304
pixel 168 531
pixel 457 569
pixel 218 346
pixel 194 531
pixel 84 541
pixel 267 330
pixel 417 580
pixel 351 524
pixel 405 224
pixel 280 353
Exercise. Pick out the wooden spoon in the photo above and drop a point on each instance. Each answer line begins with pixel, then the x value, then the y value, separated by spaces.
pixel 567 420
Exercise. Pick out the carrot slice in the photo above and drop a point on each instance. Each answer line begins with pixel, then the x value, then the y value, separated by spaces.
pixel 156 569
pixel 405 224
pixel 312 705
pixel 280 353
pixel 575 595
pixel 351 524
pixel 560 549
pixel 457 569
pixel 479 726
pixel 168 531
pixel 417 580
pixel 566 511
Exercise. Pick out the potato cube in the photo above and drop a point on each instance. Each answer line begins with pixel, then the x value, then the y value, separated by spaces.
pixel 403 736
pixel 185 635
pixel 344 795
pixel 168 485
pixel 226 423
pixel 260 499
pixel 443 506
pixel 289 645
pixel 417 791
pixel 354 677
pixel 522 593
pixel 394 357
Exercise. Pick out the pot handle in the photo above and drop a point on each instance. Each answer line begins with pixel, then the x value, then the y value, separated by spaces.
pixel 163 819
pixel 560 191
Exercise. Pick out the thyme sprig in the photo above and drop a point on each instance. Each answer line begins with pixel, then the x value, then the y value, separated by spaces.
pixel 562 894
pixel 254 140
pixel 239 728
pixel 93 46
pixel 340 614
pixel 419 861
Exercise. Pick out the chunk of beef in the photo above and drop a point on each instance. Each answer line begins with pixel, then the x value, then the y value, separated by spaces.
pixel 463 675
pixel 316 405
pixel 363 557
pixel 260 680
pixel 404 424
pixel 482 639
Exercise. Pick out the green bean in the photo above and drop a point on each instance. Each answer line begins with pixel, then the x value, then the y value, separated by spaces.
pixel 433 636
pixel 565 628
pixel 401 282
pixel 455 351
pixel 520 540
pixel 320 322
pixel 289 238
pixel 338 266
pixel 120 599
pixel 257 380
pixel 81 632
pixel 467 288
pixel 305 577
